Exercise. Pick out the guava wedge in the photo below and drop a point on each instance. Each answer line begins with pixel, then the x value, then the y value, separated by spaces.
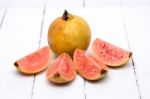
pixel 110 54
pixel 89 67
pixel 62 70
pixel 34 62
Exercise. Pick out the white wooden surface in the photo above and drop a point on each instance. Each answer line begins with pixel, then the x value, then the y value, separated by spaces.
pixel 19 35
pixel 107 25
pixel 23 30
pixel 2 11
pixel 138 28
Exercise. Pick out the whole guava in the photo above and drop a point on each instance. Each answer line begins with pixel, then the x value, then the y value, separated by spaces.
pixel 68 32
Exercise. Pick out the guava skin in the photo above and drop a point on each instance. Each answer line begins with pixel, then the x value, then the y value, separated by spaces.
pixel 65 35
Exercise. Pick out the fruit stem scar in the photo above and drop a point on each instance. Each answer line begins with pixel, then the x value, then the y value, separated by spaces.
pixel 65 15
pixel 103 71
pixel 16 64
pixel 130 54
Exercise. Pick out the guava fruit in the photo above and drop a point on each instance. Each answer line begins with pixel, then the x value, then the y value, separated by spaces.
pixel 34 62
pixel 68 32
pixel 62 70
pixel 110 54
pixel 88 66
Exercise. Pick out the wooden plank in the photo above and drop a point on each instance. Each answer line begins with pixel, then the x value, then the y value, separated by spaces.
pixel 106 23
pixel 19 36
pixel 26 3
pixel 2 13
pixel 63 3
pixel 102 3
pixel 48 3
pixel 43 88
pixel 137 24
pixel 3 3
pixel 135 2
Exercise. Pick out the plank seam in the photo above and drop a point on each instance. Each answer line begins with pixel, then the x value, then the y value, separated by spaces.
pixel 3 17
pixel 132 60
pixel 41 30
pixel 84 3
pixel 84 89
pixel 85 96
pixel 133 65
pixel 33 85
pixel 39 43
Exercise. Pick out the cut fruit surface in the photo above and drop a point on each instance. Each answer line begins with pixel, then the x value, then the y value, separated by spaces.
pixel 110 54
pixel 89 67
pixel 62 70
pixel 35 62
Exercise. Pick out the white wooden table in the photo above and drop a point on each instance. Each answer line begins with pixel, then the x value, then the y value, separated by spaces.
pixel 23 30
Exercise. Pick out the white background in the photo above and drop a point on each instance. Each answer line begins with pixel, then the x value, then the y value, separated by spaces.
pixel 76 3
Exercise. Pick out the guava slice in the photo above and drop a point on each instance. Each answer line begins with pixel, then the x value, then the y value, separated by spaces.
pixel 89 67
pixel 110 54
pixel 34 62
pixel 62 70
